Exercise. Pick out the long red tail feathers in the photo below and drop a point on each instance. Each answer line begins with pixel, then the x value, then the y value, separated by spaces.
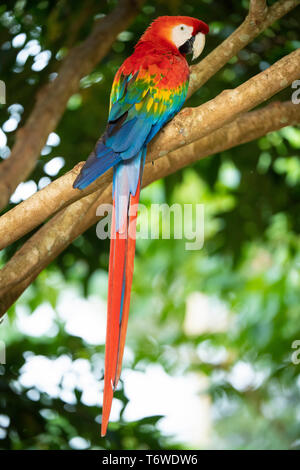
pixel 121 262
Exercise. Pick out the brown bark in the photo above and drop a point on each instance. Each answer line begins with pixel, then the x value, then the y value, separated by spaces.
pixel 258 19
pixel 193 123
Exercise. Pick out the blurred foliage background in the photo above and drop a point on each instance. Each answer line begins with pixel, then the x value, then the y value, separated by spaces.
pixel 208 362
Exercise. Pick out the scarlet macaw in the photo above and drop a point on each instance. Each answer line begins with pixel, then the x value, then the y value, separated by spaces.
pixel 149 88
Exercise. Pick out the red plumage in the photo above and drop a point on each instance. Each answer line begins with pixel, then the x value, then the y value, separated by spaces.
pixel 149 89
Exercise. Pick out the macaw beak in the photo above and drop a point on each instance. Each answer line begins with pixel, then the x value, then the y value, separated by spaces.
pixel 198 45
pixel 194 45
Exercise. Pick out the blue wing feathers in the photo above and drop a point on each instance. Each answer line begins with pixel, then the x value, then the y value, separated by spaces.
pixel 130 128
pixel 101 160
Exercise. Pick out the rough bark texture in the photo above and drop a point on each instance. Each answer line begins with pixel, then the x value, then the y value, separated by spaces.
pixel 193 123
pixel 258 19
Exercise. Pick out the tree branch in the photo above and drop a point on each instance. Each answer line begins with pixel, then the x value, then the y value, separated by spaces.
pixel 258 10
pixel 193 123
pixel 52 99
pixel 61 230
pixel 189 125
pixel 247 127
pixel 258 19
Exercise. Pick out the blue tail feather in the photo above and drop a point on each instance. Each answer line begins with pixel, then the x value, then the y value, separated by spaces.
pixel 101 160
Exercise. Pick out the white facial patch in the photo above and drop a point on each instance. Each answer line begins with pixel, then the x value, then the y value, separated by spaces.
pixel 181 33
pixel 198 46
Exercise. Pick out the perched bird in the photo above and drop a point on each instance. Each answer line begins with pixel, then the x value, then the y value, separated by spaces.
pixel 149 88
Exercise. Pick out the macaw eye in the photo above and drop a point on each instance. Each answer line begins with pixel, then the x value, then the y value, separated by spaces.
pixel 182 28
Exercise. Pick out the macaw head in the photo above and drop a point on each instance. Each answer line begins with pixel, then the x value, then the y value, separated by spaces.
pixel 185 33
